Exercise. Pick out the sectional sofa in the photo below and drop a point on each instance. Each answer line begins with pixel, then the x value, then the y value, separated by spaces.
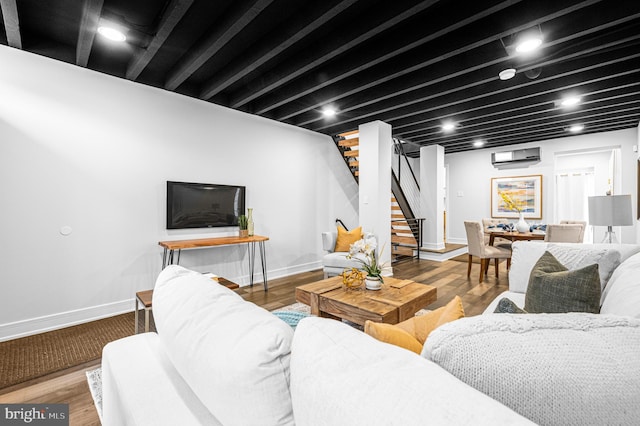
pixel 220 360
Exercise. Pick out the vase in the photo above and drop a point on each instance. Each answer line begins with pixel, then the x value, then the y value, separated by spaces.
pixel 243 233
pixel 372 283
pixel 250 221
pixel 522 225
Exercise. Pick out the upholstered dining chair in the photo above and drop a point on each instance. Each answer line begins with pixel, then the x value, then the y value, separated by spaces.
pixel 477 247
pixel 564 233
pixel 576 222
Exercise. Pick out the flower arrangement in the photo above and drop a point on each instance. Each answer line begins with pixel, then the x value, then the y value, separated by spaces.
pixel 367 246
pixel 510 203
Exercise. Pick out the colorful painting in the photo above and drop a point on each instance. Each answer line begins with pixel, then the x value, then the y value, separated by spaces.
pixel 512 195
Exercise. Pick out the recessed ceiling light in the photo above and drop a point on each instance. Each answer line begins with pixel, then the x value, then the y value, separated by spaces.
pixel 507 73
pixel 478 143
pixel 449 126
pixel 529 45
pixel 328 112
pixel 570 101
pixel 112 34
pixel 576 128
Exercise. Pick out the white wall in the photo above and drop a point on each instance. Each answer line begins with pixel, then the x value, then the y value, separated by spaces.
pixel 94 152
pixel 470 174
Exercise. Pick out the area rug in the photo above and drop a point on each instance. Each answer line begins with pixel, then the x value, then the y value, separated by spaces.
pixel 36 356
pixel 94 379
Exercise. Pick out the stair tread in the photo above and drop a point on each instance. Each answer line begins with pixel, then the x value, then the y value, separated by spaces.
pixel 349 142
pixel 403 240
pixel 352 153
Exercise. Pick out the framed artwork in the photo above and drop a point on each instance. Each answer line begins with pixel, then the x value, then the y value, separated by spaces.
pixel 524 192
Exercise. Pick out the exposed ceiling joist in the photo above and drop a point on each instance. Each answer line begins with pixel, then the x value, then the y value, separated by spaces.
pixel 227 30
pixel 273 46
pixel 11 23
pixel 354 35
pixel 172 16
pixel 91 11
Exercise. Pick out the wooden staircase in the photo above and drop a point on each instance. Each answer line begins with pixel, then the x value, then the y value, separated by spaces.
pixel 403 242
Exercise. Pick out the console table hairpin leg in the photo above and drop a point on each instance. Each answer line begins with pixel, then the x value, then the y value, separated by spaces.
pixel 171 246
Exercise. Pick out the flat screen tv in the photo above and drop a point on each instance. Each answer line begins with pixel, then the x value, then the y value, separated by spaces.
pixel 203 205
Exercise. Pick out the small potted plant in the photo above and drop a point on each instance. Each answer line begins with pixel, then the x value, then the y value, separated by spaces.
pixel 372 266
pixel 243 223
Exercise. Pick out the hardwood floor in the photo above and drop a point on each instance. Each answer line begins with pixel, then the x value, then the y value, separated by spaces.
pixel 450 277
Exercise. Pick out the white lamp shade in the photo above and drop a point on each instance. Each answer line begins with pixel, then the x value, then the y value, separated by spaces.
pixel 610 210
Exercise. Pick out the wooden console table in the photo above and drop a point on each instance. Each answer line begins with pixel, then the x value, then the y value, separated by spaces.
pixel 171 246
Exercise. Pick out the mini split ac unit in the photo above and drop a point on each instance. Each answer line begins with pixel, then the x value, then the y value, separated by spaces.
pixel 515 158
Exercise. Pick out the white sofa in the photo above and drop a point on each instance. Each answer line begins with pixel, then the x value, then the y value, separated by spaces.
pixel 220 360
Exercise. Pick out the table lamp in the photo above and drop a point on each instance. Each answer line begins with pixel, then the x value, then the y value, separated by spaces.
pixel 610 211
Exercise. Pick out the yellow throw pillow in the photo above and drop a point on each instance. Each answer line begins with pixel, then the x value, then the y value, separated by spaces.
pixel 389 333
pixel 346 238
pixel 421 326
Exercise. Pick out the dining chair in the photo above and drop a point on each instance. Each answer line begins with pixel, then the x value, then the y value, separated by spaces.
pixel 576 222
pixel 478 248
pixel 564 233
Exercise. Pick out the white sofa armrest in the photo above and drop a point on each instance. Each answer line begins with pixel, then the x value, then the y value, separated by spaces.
pixel 329 241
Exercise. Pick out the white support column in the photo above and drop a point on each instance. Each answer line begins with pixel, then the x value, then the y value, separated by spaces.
pixel 432 193
pixel 375 185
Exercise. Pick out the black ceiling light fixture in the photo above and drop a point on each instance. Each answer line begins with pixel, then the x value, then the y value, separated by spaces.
pixel 522 44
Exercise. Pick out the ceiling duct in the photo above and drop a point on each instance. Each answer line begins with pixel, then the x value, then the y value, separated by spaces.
pixel 515 158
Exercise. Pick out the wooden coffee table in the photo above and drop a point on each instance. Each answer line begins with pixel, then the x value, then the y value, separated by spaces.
pixel 397 301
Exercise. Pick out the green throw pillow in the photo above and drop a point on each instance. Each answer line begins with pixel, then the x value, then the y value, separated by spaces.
pixel 507 306
pixel 555 289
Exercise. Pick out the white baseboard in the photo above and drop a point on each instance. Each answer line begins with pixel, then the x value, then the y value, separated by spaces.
pixel 63 319
pixel 42 324
pixel 279 273
pixel 433 246
pixel 441 257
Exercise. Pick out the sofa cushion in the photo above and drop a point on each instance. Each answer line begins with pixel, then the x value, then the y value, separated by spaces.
pixel 554 289
pixel 392 334
pixel 422 325
pixel 412 333
pixel 346 238
pixel 508 306
pixel 233 354
pixel 622 294
pixel 561 369
pixel 517 298
pixel 341 376
pixel 525 254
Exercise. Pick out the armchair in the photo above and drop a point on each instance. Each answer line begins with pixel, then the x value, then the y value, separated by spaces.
pixel 335 262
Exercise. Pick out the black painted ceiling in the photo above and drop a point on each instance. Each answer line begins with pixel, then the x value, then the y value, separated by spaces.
pixel 413 64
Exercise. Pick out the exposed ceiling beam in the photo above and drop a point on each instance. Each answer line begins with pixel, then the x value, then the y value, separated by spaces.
pixel 11 23
pixel 340 72
pixel 172 15
pixel 273 46
pixel 91 11
pixel 353 37
pixel 497 116
pixel 386 74
pixel 216 40
pixel 409 108
pixel 442 74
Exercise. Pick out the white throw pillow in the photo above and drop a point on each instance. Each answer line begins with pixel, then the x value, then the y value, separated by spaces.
pixel 622 294
pixel 341 376
pixel 560 369
pixel 233 354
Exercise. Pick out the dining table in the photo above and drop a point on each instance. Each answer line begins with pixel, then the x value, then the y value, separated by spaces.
pixel 515 236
